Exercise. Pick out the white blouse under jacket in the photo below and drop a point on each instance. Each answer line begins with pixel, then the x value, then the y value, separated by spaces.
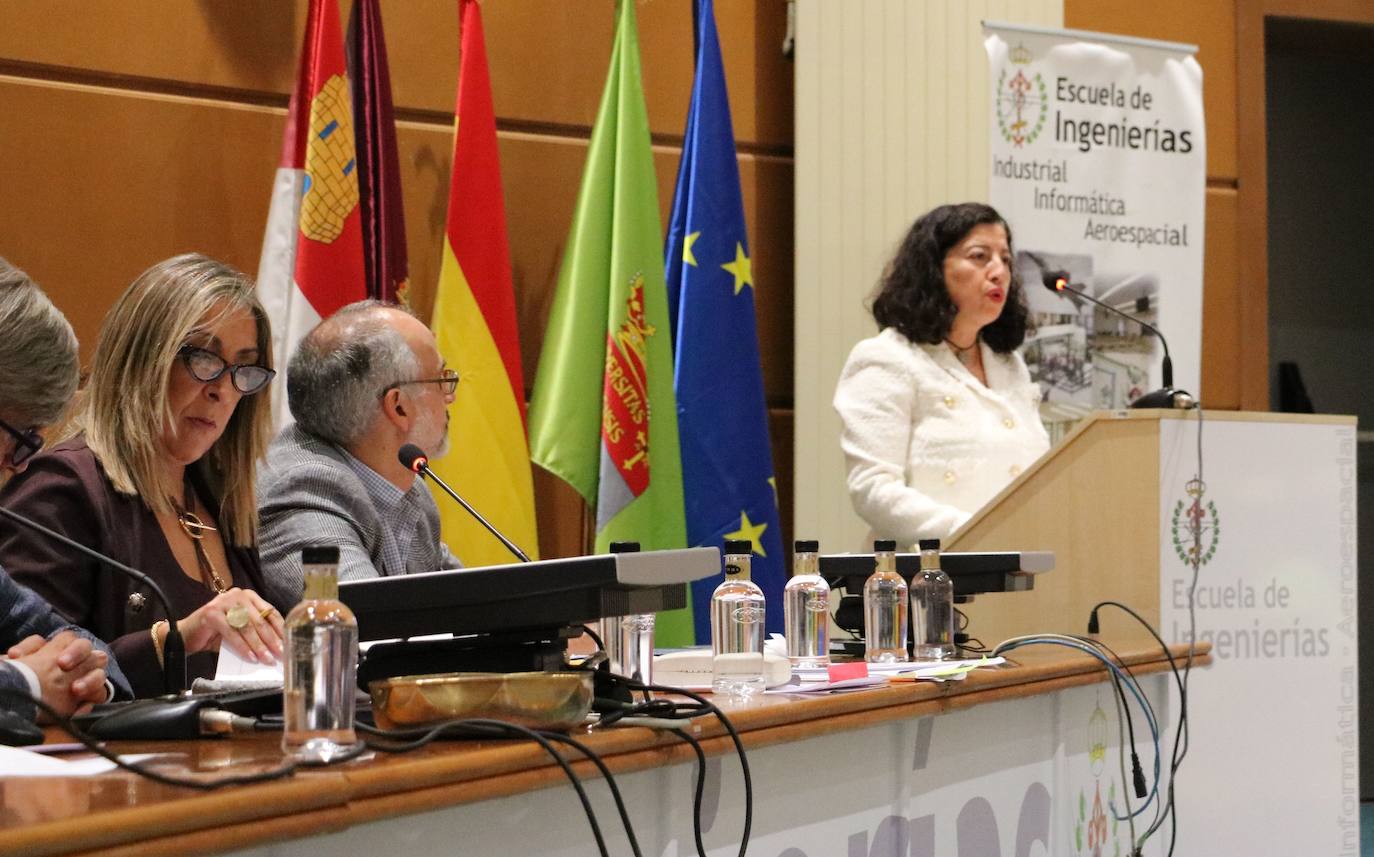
pixel 926 444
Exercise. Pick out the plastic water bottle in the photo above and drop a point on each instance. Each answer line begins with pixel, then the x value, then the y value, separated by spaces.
pixel 885 608
pixel 737 626
pixel 932 605
pixel 806 609
pixel 320 664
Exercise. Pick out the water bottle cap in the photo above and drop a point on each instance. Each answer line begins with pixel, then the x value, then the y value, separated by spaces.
pixel 807 546
pixel 881 545
pixel 624 547
pixel 929 544
pixel 320 555
pixel 739 546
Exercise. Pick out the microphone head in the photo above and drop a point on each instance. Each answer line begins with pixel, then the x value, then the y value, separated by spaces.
pixel 413 457
pixel 1056 281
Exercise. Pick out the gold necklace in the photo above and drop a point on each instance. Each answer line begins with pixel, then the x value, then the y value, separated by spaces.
pixel 195 529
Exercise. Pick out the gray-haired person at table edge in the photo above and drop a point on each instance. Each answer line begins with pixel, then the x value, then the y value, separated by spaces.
pixel 939 409
pixel 47 657
pixel 362 384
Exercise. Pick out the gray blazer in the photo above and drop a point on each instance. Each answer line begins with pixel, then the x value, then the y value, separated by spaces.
pixel 310 494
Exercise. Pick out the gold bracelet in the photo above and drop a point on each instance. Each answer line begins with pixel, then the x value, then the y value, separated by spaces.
pixel 157 640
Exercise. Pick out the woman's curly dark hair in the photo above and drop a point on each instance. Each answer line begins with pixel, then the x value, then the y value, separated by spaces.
pixel 913 297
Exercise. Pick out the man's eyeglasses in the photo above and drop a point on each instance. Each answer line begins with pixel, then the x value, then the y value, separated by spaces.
pixel 206 366
pixel 448 382
pixel 26 443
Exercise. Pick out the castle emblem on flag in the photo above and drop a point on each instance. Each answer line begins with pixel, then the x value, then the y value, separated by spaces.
pixel 625 410
pixel 330 192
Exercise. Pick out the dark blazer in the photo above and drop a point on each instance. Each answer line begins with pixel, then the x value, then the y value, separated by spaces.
pixel 23 614
pixel 66 489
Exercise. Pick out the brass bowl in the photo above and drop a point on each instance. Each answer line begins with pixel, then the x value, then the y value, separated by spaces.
pixel 538 700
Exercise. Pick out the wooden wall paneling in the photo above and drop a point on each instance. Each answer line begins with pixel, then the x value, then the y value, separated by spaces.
pixel 1221 301
pixel 548 59
pixel 1209 24
pixel 766 184
pixel 572 41
pixel 241 45
pixel 100 183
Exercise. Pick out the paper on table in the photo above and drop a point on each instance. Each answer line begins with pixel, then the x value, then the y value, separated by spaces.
pixel 911 670
pixel 235 670
pixel 17 762
pixel 802 686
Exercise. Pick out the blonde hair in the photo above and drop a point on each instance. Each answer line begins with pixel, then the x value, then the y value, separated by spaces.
pixel 125 406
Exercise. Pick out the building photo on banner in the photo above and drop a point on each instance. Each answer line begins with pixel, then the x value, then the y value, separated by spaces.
pixel 1099 166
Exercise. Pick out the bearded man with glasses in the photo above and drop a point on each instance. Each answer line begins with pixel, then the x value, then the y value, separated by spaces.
pixel 362 384
pixel 48 658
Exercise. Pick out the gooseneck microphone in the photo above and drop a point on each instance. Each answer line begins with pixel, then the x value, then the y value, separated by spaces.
pixel 174 648
pixel 1166 396
pixel 414 458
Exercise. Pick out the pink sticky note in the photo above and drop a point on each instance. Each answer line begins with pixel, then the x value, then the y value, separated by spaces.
pixel 842 672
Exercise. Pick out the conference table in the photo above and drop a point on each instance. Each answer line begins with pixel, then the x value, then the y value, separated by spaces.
pixel 1008 757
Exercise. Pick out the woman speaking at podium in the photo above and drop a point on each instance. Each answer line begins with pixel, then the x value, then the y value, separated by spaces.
pixel 161 476
pixel 939 410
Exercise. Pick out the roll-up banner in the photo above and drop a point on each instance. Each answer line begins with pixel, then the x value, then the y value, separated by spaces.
pixel 1099 165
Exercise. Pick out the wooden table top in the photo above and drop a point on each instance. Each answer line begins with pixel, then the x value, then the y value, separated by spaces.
pixel 122 814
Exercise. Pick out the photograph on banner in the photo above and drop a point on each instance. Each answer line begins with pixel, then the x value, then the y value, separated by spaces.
pixel 1099 167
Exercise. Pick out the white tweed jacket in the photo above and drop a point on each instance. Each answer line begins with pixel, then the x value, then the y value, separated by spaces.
pixel 926 444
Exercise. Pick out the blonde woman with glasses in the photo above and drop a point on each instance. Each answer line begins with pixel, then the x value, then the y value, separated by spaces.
pixel 160 476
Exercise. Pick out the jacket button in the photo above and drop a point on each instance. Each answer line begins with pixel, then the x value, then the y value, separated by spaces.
pixel 949 401
pixel 1009 422
pixel 949 477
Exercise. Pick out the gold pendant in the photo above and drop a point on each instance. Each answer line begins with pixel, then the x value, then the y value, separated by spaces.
pixel 193 526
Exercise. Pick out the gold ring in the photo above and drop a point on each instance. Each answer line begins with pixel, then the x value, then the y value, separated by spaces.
pixel 267 611
pixel 237 617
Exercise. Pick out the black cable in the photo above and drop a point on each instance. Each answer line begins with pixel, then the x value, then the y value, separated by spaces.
pixel 1137 772
pixel 739 750
pixel 595 759
pixel 99 749
pixel 482 728
pixel 700 790
pixel 596 638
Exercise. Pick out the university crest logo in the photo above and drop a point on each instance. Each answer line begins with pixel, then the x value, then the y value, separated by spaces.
pixel 1022 100
pixel 1193 516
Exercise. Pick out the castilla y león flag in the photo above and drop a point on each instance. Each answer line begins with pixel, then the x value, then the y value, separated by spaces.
pixel 312 256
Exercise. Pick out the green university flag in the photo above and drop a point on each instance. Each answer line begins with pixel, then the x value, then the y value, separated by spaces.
pixel 603 417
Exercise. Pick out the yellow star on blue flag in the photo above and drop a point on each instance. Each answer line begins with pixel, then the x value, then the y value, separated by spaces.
pixel 741 268
pixel 749 531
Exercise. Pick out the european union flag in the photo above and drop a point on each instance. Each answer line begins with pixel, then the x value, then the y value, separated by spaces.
pixel 727 463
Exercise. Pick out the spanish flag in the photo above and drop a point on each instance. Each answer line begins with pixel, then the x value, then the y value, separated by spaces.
pixel 474 323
